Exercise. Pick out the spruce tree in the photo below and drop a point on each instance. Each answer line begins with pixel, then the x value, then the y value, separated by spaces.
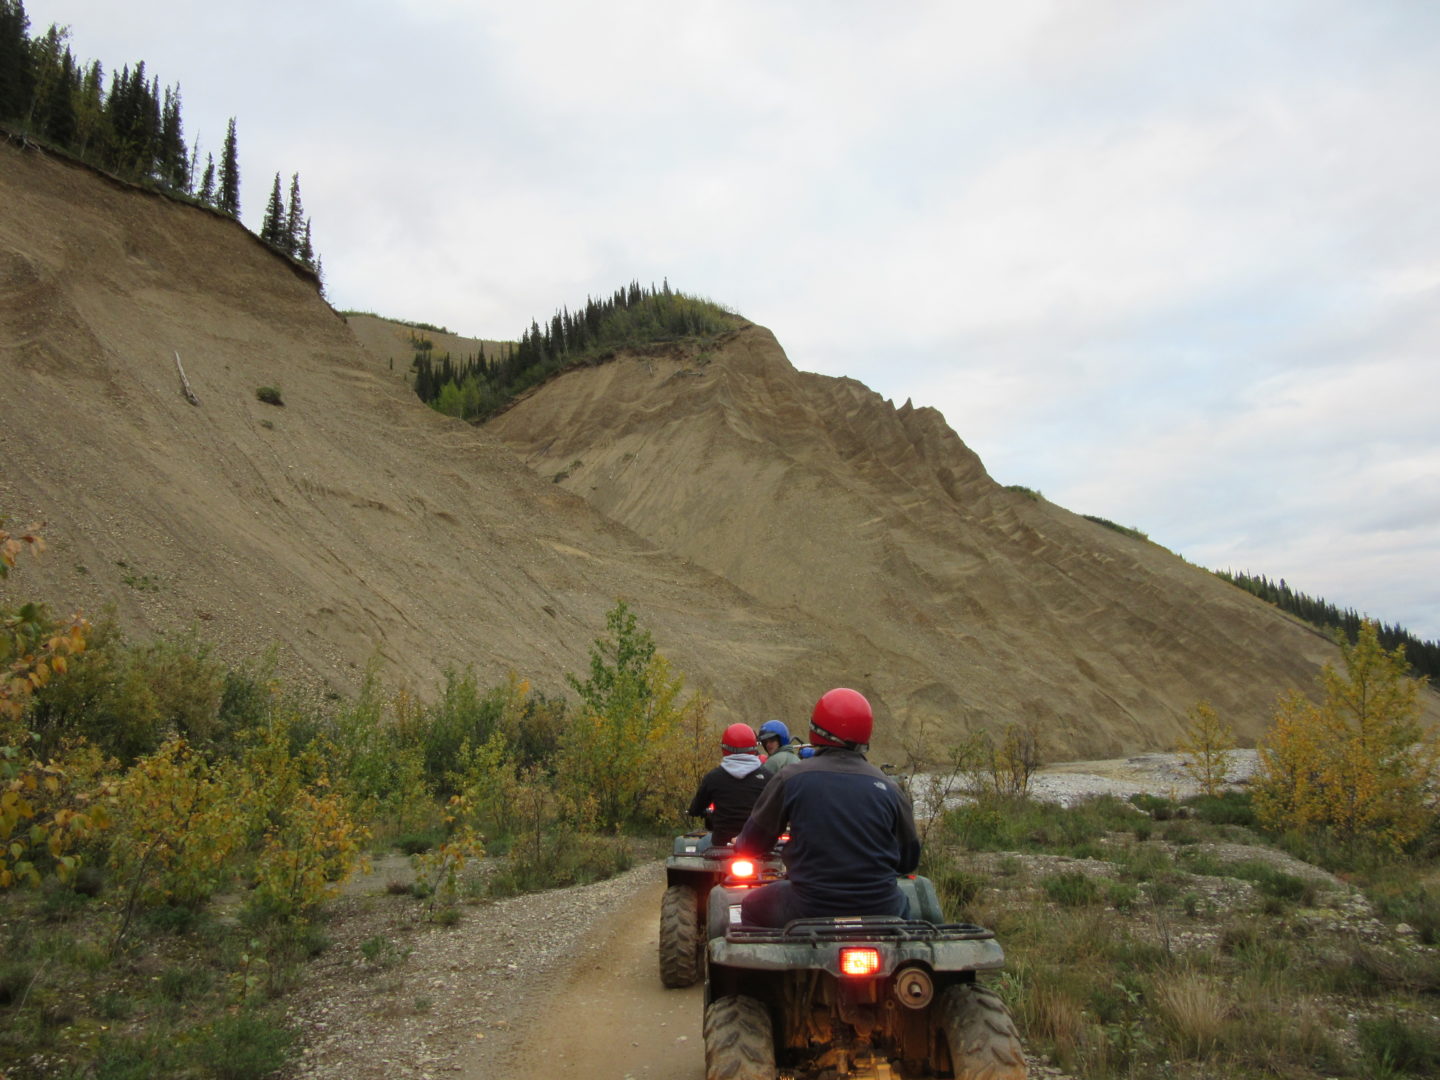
pixel 306 252
pixel 17 74
pixel 92 124
pixel 294 219
pixel 59 83
pixel 272 227
pixel 207 182
pixel 174 167
pixel 229 198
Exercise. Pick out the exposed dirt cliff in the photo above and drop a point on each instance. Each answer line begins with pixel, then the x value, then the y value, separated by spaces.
pixel 964 603
pixel 779 532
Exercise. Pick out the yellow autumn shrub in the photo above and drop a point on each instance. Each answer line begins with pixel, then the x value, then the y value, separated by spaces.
pixel 1206 742
pixel 1358 764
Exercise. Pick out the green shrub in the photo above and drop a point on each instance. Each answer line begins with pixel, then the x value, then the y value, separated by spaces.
pixel 1396 1044
pixel 1006 823
pixel 1144 863
pixel 247 1045
pixel 416 843
pixel 955 888
pixel 464 717
pixel 1071 888
pixel 1413 903
pixel 126 699
pixel 184 982
pixel 1157 806
pixel 1122 895
pixel 382 952
pixel 121 1058
pixel 1275 883
pixel 270 395
pixel 1226 808
pixel 567 859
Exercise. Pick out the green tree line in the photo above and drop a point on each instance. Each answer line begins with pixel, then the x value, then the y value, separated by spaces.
pixel 1424 656
pixel 129 126
pixel 476 387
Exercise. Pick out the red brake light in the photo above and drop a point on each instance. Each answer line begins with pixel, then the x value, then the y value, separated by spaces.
pixel 859 961
pixel 742 868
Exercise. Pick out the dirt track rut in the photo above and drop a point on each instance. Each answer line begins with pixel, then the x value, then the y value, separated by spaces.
pixel 612 1019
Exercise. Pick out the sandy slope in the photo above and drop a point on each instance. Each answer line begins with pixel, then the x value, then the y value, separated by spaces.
pixel 779 532
pixel 962 603
pixel 352 523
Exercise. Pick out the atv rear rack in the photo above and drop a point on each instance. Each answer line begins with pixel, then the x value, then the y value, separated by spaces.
pixel 870 928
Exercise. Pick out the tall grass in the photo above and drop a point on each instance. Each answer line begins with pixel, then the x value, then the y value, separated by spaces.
pixel 1163 951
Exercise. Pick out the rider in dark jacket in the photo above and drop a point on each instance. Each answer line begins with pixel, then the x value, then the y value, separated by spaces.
pixel 732 787
pixel 852 831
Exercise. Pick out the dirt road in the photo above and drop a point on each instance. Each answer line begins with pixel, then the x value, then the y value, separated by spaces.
pixel 613 1019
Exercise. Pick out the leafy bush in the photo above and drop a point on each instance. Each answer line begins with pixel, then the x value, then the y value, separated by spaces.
pixel 174 829
pixel 1206 742
pixel 1274 882
pixel 311 846
pixel 1226 808
pixel 270 395
pixel 1357 766
pixel 633 751
pixel 1072 888
pixel 567 859
pixel 247 1045
pixel 127 699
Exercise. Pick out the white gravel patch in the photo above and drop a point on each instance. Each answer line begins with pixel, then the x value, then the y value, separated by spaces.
pixel 1161 774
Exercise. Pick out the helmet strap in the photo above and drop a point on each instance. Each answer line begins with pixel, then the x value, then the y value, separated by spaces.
pixel 837 740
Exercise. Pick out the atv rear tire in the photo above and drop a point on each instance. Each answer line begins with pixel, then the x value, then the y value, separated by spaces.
pixel 981 1035
pixel 680 941
pixel 739 1044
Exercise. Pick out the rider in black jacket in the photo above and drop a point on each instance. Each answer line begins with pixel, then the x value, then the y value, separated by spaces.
pixel 852 831
pixel 732 787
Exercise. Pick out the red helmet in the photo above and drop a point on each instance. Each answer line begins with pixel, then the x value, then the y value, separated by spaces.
pixel 842 717
pixel 739 739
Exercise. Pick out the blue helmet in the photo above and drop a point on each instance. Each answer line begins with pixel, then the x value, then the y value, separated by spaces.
pixel 775 729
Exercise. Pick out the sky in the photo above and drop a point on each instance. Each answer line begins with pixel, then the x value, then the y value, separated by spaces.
pixel 1176 264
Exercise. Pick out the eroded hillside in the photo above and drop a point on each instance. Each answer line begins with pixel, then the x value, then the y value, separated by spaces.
pixel 780 532
pixel 348 525
pixel 965 603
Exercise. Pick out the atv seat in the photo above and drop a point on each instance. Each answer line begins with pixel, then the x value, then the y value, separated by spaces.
pixel 921 899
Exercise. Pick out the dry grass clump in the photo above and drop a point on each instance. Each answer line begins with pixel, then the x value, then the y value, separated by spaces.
pixel 1194 1009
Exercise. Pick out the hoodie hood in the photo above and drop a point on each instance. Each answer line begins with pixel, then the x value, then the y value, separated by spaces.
pixel 740 765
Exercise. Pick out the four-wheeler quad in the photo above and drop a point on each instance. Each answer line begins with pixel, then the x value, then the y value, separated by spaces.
pixel 872 997
pixel 691 871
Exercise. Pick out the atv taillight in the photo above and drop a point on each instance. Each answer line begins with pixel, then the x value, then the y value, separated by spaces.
pixel 742 868
pixel 859 961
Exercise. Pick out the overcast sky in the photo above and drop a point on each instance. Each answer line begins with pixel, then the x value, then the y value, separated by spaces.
pixel 1175 264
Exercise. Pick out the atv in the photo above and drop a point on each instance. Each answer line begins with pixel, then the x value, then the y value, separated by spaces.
pixel 691 871
pixel 862 998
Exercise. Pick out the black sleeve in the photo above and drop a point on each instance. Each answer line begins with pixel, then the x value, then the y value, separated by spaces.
pixel 702 799
pixel 766 822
